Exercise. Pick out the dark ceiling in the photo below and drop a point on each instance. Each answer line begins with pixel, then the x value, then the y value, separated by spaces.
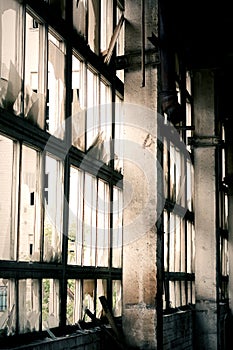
pixel 203 31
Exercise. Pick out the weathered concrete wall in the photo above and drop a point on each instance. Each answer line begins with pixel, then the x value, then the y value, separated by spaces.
pixel 178 331
pixel 205 213
pixel 139 252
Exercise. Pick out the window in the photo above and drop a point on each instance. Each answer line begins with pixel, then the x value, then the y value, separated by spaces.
pixel 56 86
pixel 223 225
pixel 78 103
pixel 9 166
pixel 86 21
pixel 178 218
pixel 61 196
pixel 30 206
pixel 34 81
pixel 29 310
pixel 11 55
pixel 106 25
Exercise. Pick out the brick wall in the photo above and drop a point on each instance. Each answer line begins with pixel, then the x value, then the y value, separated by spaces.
pixel 178 330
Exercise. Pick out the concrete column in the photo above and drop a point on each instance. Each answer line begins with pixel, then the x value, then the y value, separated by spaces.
pixel 139 251
pixel 205 213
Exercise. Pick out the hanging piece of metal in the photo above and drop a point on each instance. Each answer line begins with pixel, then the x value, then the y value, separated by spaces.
pixel 143 42
pixel 113 40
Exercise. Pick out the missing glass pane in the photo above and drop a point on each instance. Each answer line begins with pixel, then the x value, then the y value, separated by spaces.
pixel 30 206
pixel 29 305
pixel 56 86
pixel 53 215
pixel 50 303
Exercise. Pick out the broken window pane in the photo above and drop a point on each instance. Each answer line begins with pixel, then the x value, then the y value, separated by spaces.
pixel 7 307
pixel 34 91
pixel 90 217
pixel 116 298
pixel 101 290
pixel 94 138
pixel 74 301
pixel 56 87
pixel 93 25
pixel 53 216
pixel 8 198
pixel 11 53
pixel 75 217
pixel 30 206
pixel 103 224
pixel 29 305
pixel 80 16
pixel 78 104
pixel 50 303
pixel 117 228
pixel 88 297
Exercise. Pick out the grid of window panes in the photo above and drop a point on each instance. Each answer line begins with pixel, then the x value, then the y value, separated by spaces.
pixel 178 218
pixel 223 225
pixel 61 202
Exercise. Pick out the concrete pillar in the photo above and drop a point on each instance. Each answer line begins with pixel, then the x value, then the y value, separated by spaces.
pixel 139 250
pixel 205 212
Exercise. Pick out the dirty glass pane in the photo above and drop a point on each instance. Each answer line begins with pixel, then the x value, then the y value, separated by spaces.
pixel 177 243
pixel 80 16
pixel 118 142
pixel 179 179
pixel 103 209
pixel 74 301
pixel 117 228
pixel 78 104
pixel 166 240
pixel 50 303
pixel 56 87
pixel 172 174
pixel 11 53
pixel 7 307
pixel 89 229
pixel 116 298
pixel 172 243
pixel 106 24
pixel 94 139
pixel 53 215
pixel 8 198
pixel 34 93
pixel 30 206
pixel 100 291
pixel 189 186
pixel 29 305
pixel 190 247
pixel 88 297
pixel 165 168
pixel 105 120
pixel 93 25
pixel 75 217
